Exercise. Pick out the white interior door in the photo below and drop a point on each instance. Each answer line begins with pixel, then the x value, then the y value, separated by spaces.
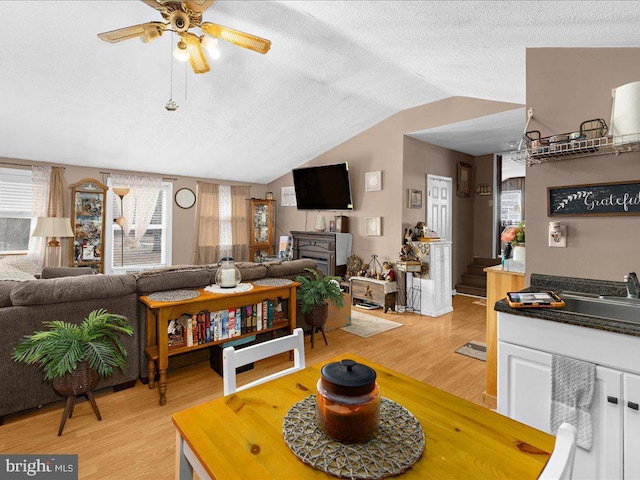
pixel 439 205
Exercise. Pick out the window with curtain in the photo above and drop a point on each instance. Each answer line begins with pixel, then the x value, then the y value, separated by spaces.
pixel 221 223
pixel 144 241
pixel 15 210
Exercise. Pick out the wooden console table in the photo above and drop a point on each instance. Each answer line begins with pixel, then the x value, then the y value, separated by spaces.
pixel 159 314
pixel 370 290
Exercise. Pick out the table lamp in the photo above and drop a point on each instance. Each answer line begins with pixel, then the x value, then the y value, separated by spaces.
pixel 53 227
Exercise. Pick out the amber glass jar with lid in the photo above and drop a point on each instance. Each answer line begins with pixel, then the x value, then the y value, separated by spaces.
pixel 348 402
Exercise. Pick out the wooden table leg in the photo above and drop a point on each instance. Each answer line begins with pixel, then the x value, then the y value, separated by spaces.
pixel 162 387
pixel 163 353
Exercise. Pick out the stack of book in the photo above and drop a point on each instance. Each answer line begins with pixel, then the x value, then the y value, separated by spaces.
pixel 205 326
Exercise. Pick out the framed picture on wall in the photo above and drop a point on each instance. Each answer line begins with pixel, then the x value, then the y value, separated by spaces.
pixel 373 181
pixel 372 226
pixel 464 179
pixel 414 198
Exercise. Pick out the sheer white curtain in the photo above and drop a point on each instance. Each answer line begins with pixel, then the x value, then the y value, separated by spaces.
pixel 138 205
pixel 40 181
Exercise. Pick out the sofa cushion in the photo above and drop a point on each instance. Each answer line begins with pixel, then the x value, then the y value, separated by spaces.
pixel 5 292
pixel 167 279
pixel 72 289
pixel 251 271
pixel 7 272
pixel 292 268
pixel 20 262
pixel 57 272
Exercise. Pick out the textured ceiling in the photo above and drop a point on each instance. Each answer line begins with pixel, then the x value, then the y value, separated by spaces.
pixel 335 68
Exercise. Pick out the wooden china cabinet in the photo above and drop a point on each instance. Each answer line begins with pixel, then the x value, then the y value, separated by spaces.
pixel 88 223
pixel 261 228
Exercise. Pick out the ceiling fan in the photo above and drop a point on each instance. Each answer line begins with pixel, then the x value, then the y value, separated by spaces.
pixel 181 16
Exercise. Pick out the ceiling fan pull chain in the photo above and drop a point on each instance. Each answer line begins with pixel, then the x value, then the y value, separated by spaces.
pixel 171 105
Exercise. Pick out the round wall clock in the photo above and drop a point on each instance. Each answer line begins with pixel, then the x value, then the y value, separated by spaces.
pixel 185 198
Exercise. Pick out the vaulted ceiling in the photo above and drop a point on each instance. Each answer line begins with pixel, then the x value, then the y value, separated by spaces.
pixel 335 68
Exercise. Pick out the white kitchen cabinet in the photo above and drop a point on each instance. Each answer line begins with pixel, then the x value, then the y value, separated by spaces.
pixel 524 385
pixel 524 388
pixel 631 420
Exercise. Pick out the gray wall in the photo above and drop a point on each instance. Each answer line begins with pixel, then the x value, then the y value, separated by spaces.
pixel 566 87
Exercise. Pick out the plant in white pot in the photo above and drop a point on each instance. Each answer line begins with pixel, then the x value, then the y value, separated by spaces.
pixel 313 294
pixel 74 357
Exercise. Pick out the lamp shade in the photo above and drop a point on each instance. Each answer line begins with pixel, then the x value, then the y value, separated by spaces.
pixel 53 227
pixel 121 191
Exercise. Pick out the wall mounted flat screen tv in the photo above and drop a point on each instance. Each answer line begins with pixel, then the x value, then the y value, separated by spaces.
pixel 323 188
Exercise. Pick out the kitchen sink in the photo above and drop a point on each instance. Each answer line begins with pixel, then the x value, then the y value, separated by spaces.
pixel 615 308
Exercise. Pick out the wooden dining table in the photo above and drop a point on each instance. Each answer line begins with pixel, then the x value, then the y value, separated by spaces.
pixel 240 436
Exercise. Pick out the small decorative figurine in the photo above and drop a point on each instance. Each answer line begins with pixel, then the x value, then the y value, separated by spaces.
pixel 406 253
pixel 388 274
pixel 364 271
pixel 418 230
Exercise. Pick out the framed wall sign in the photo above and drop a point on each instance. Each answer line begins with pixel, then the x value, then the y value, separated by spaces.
pixel 616 198
pixel 464 179
pixel 288 197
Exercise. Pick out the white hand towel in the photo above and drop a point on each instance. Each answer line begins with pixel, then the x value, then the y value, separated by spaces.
pixel 343 248
pixel 573 385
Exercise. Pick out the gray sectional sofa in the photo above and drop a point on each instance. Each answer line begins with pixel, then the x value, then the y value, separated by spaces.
pixel 61 294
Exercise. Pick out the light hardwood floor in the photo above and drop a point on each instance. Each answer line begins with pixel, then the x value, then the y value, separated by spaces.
pixel 136 437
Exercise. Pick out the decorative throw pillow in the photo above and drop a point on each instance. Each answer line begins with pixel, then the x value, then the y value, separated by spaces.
pixel 7 272
pixel 20 262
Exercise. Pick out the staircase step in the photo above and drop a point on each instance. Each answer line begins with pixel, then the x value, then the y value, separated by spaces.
pixel 474 280
pixel 469 290
pixel 484 262
pixel 476 270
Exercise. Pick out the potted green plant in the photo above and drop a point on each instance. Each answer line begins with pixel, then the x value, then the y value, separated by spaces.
pixel 313 294
pixel 74 357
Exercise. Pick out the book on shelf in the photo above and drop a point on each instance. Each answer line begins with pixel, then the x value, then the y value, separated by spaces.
pixel 238 322
pixel 206 327
pixel 231 328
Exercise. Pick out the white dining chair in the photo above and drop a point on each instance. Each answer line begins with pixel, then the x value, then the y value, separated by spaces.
pixel 560 464
pixel 232 359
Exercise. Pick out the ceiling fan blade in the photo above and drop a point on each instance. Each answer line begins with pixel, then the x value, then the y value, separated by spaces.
pixel 198 5
pixel 151 30
pixel 155 4
pixel 196 54
pixel 244 40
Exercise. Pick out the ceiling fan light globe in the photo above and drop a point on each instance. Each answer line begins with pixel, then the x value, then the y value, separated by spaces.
pixel 208 42
pixel 180 52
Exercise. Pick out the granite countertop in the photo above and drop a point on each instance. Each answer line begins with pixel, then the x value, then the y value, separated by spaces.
pixel 601 287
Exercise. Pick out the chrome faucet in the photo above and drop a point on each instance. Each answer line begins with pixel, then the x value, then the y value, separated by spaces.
pixel 632 284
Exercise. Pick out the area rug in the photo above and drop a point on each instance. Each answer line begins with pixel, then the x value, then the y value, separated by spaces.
pixel 365 325
pixel 473 349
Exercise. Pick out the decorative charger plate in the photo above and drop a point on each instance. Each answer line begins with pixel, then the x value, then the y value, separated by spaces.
pixel 272 282
pixel 398 445
pixel 174 295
